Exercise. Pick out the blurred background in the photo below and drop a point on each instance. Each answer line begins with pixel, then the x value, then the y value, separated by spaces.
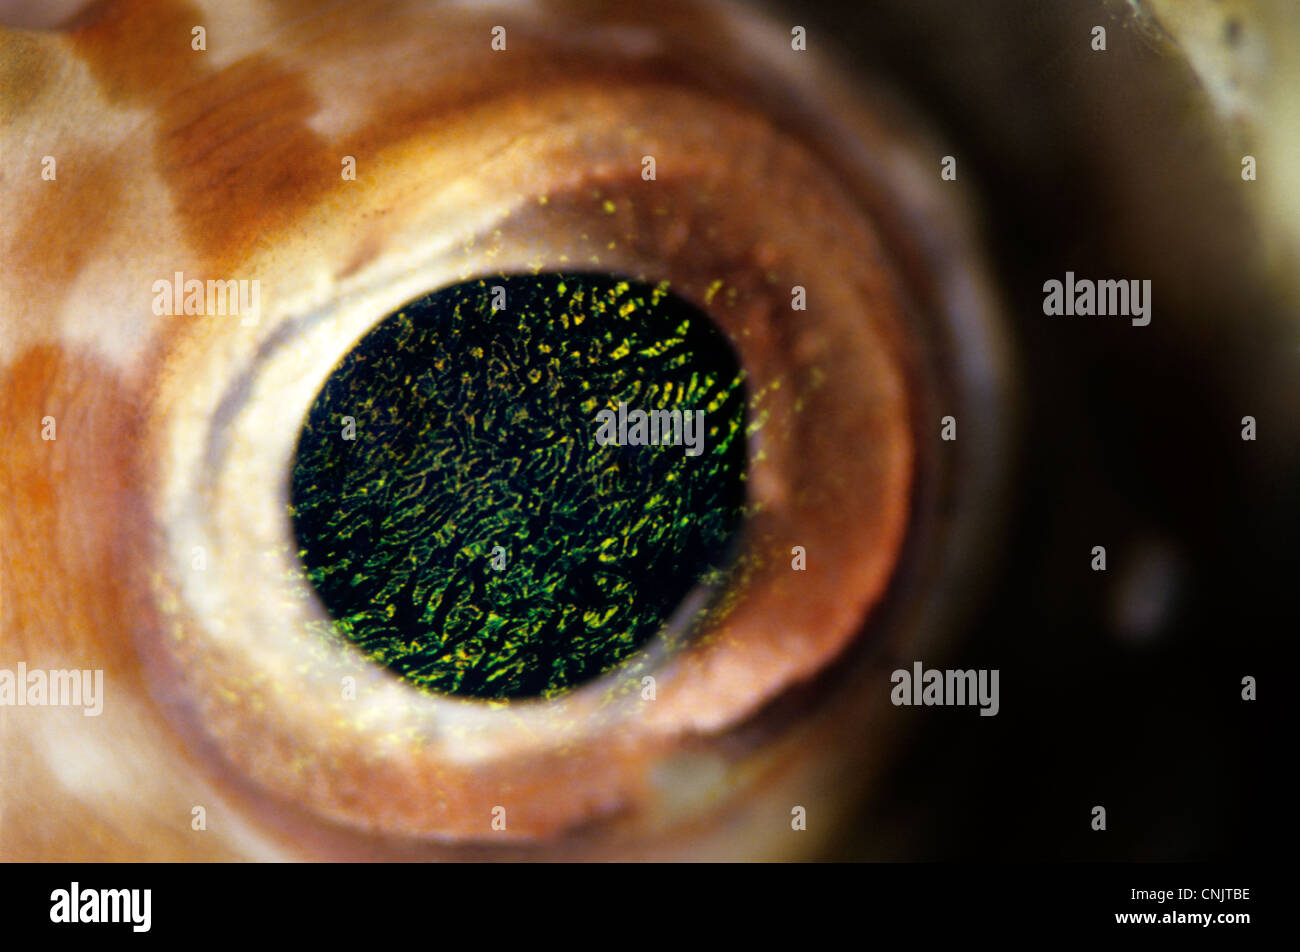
pixel 1120 688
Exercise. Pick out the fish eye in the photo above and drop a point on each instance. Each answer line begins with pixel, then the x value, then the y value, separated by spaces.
pixel 547 466
pixel 543 446
pixel 622 235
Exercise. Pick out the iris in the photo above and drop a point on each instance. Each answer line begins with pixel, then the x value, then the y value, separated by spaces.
pixel 457 515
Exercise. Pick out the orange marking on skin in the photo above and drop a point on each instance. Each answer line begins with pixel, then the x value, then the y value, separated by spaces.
pixel 71 219
pixel 77 523
pixel 77 537
pixel 241 159
pixel 233 145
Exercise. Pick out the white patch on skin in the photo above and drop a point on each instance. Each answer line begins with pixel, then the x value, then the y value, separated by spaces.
pixel 230 26
pixel 107 307
pixel 101 770
pixel 84 310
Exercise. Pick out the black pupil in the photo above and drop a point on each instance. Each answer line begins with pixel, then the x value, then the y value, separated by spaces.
pixel 470 517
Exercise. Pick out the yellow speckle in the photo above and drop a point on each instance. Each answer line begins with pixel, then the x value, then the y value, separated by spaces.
pixel 609 207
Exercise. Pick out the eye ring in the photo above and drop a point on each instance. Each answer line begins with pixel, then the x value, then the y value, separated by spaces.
pixel 275 695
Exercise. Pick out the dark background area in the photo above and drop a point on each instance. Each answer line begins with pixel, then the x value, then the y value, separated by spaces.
pixel 1108 165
